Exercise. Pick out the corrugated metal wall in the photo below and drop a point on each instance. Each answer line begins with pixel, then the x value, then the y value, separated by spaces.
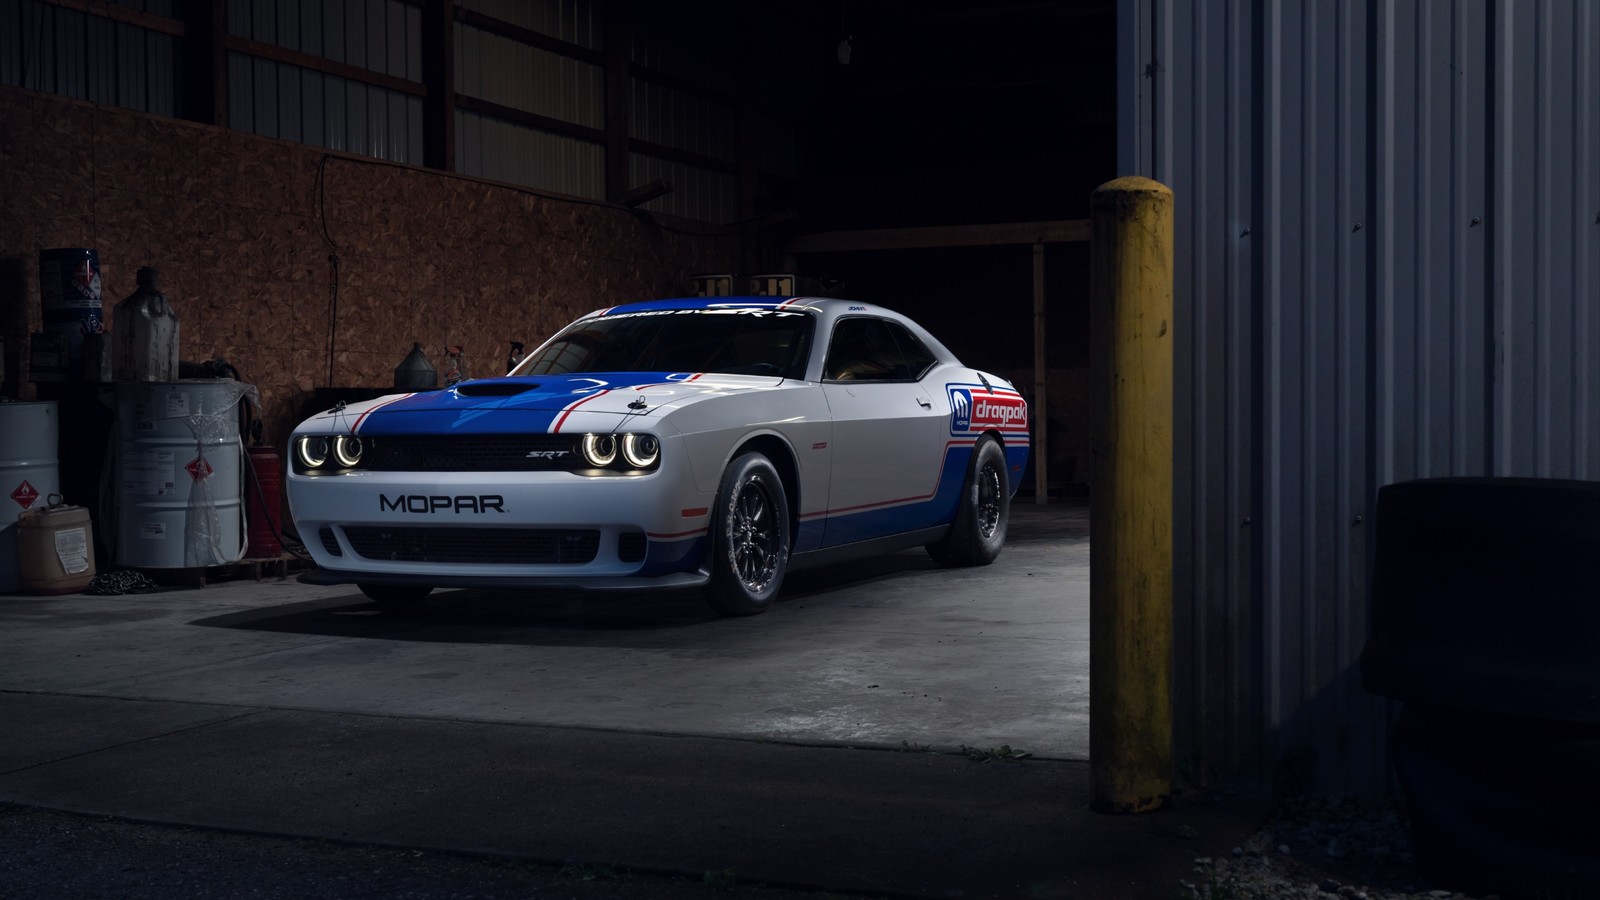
pixel 531 79
pixel 696 123
pixel 1388 241
pixel 286 101
pixel 64 51
pixel 505 151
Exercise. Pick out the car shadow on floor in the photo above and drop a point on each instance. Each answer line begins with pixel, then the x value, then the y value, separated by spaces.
pixel 561 617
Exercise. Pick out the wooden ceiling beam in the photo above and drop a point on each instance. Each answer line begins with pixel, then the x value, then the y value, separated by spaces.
pixel 1057 232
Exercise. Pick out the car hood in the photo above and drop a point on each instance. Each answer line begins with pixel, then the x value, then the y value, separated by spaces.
pixel 537 403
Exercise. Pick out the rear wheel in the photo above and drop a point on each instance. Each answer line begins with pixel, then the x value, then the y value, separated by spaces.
pixel 979 529
pixel 750 538
pixel 395 594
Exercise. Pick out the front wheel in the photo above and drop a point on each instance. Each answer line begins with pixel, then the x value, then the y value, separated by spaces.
pixel 395 594
pixel 979 529
pixel 750 538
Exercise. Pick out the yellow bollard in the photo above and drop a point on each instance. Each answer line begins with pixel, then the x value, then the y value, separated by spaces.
pixel 1130 557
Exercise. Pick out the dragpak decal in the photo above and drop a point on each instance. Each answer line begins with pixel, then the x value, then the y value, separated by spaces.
pixel 975 409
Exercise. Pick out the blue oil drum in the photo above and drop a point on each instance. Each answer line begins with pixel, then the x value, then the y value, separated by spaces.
pixel 69 293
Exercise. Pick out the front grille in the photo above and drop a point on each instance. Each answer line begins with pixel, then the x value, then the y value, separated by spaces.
pixel 329 542
pixel 495 546
pixel 471 453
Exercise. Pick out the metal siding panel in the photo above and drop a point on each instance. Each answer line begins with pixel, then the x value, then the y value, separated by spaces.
pixel 395 23
pixel 1558 352
pixel 466 144
pixel 1197 648
pixel 241 93
pixel 289 127
pixel 377 123
pixel 265 101
pixel 311 27
pixel 468 51
pixel 103 80
pixel 1238 371
pixel 1586 256
pixel 399 128
pixel 161 56
pixel 1280 510
pixel 130 63
pixel 1395 235
pixel 377 35
pixel 264 21
pixel 1212 94
pixel 239 20
pixel 413 44
pixel 355 32
pixel 313 114
pixel 71 77
pixel 336 126
pixel 1366 724
pixel 1469 226
pixel 1515 279
pixel 288 26
pixel 11 30
pixel 355 117
pixel 414 135
pixel 333 30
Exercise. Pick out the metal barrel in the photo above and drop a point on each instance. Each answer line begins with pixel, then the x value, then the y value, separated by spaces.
pixel 179 486
pixel 29 474
pixel 69 296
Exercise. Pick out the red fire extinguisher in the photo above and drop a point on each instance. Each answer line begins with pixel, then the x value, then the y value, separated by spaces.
pixel 265 499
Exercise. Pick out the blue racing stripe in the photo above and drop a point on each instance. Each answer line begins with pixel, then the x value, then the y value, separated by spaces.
pixel 533 411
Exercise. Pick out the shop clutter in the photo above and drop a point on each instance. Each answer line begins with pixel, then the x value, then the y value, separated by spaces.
pixel 154 474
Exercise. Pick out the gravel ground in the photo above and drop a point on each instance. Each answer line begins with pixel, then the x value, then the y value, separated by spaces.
pixel 45 854
pixel 1340 848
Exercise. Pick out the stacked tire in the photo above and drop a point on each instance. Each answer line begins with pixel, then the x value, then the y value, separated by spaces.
pixel 1485 624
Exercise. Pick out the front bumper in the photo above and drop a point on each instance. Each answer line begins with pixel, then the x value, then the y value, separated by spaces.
pixel 389 528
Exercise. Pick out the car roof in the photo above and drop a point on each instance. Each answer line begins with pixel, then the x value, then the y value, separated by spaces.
pixel 826 309
pixel 815 304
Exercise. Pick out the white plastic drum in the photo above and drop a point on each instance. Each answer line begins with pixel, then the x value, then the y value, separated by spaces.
pixel 29 474
pixel 179 464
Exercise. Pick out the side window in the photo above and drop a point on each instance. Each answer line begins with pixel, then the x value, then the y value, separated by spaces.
pixel 919 359
pixel 863 349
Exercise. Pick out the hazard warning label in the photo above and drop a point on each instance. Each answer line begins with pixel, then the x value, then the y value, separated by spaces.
pixel 25 495
pixel 198 468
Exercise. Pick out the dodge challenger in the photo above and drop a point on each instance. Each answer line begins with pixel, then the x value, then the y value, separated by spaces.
pixel 704 442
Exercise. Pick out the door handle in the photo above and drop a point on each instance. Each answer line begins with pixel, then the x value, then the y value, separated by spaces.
pixel 924 403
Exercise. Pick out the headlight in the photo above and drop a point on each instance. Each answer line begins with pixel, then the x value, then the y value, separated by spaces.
pixel 599 449
pixel 347 451
pixel 641 450
pixel 312 451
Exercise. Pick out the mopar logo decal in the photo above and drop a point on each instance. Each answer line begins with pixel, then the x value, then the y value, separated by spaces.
pixel 977 412
pixel 432 503
pixel 960 409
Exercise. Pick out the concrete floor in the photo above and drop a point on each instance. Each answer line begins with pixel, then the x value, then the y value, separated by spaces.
pixel 889 652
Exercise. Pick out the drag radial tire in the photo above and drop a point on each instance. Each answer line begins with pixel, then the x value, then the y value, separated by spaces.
pixel 979 529
pixel 394 594
pixel 749 538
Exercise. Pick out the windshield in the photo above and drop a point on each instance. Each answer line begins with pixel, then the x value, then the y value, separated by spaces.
pixel 740 341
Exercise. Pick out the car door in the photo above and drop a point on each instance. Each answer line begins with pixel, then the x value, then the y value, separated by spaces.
pixel 889 431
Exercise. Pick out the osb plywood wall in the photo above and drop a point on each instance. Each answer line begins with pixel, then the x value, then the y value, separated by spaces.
pixel 242 228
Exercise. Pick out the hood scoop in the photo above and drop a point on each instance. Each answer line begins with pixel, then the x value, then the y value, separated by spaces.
pixel 494 388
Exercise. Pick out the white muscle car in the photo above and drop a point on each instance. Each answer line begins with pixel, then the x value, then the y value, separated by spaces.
pixel 715 442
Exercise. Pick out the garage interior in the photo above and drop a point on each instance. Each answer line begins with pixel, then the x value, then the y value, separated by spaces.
pixel 324 185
